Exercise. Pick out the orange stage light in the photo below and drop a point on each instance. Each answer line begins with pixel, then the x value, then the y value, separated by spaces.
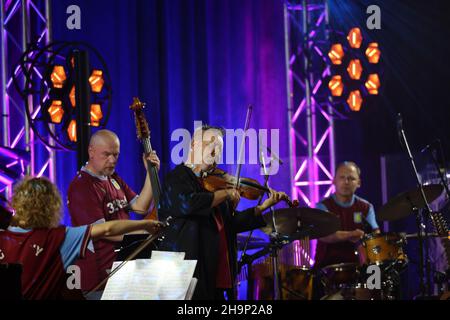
pixel 58 76
pixel 96 81
pixel 72 97
pixel 373 53
pixel 373 83
pixel 72 131
pixel 355 69
pixel 56 111
pixel 355 38
pixel 336 53
pixel 355 100
pixel 96 115
pixel 336 86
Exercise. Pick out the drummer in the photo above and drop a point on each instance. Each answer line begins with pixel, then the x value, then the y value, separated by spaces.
pixel 356 214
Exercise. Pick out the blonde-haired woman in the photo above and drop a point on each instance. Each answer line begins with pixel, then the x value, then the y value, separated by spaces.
pixel 46 249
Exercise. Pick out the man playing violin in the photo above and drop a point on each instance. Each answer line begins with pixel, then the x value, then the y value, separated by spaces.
pixel 356 214
pixel 206 223
pixel 98 194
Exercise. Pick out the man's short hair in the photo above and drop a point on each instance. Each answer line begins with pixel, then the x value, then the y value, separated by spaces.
pixel 348 163
pixel 206 127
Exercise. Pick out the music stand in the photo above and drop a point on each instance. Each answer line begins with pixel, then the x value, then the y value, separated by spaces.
pixel 130 242
pixel 10 278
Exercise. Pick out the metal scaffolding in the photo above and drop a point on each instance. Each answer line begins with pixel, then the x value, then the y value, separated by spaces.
pixel 23 22
pixel 310 112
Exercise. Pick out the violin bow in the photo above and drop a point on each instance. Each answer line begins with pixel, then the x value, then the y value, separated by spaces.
pixel 241 150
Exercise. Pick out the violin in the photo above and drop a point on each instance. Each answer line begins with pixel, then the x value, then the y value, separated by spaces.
pixel 218 179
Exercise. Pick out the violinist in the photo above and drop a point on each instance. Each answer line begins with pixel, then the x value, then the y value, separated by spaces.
pixel 206 222
pixel 98 194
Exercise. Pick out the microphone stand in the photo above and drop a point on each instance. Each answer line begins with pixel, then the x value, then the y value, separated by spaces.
pixel 273 247
pixel 275 244
pixel 421 227
pixel 248 259
pixel 442 176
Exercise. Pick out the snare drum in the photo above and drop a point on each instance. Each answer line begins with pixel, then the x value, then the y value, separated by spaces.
pixel 382 249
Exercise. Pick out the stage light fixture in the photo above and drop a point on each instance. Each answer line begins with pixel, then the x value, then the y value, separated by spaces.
pixel 72 131
pixel 96 114
pixel 96 81
pixel 56 111
pixel 355 100
pixel 355 38
pixel 336 86
pixel 336 53
pixel 373 53
pixel 72 97
pixel 373 83
pixel 58 76
pixel 355 69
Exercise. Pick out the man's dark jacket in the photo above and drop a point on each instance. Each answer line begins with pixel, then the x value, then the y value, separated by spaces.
pixel 194 229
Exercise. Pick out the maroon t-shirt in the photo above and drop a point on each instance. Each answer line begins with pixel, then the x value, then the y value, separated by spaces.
pixel 340 252
pixel 92 199
pixel 39 253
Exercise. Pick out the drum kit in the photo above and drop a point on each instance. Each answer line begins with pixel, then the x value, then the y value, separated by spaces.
pixel 271 279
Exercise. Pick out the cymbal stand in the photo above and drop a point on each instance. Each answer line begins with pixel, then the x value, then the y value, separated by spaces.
pixel 421 227
pixel 246 259
pixel 276 243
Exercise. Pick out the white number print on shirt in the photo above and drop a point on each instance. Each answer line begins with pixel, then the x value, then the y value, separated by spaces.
pixel 38 249
pixel 116 205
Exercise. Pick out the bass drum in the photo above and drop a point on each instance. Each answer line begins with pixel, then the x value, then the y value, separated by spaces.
pixel 357 292
pixel 296 281
pixel 298 284
pixel 338 276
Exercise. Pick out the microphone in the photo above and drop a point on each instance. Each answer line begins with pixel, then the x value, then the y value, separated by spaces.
pixel 400 129
pixel 433 144
pixel 399 123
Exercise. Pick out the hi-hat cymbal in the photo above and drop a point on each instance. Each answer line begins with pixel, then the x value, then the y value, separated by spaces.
pixel 402 204
pixel 428 235
pixel 296 223
pixel 253 243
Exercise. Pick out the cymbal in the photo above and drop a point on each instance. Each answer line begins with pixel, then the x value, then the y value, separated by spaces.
pixel 402 204
pixel 253 243
pixel 297 223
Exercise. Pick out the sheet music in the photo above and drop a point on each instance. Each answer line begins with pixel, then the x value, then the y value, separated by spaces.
pixel 167 255
pixel 191 289
pixel 165 278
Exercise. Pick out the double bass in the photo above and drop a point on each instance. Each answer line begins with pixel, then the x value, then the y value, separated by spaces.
pixel 143 134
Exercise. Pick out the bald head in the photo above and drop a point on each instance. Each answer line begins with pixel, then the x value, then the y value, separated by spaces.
pixel 103 136
pixel 104 149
